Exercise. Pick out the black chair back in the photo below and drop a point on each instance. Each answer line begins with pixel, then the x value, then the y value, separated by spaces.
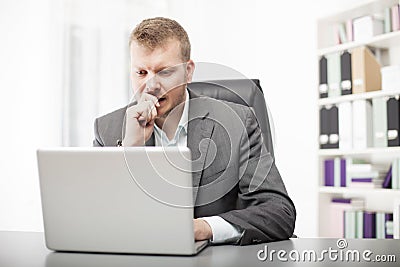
pixel 242 91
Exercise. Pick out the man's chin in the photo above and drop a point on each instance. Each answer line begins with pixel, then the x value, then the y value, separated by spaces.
pixel 161 112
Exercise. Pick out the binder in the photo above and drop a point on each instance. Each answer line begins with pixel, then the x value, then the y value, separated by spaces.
pixel 350 224
pixel 333 63
pixel 359 224
pixel 366 71
pixel 345 69
pixel 380 225
pixel 323 128
pixel 369 224
pixel 323 77
pixel 345 126
pixel 335 172
pixel 362 124
pixel 393 122
pixel 379 121
pixel 329 172
pixel 333 127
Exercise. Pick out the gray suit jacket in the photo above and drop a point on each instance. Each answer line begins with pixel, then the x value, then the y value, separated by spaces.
pixel 234 176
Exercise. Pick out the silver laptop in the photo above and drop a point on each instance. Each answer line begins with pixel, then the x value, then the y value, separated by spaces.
pixel 118 200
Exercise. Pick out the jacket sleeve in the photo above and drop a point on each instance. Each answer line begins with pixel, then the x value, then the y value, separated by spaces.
pixel 265 211
pixel 97 139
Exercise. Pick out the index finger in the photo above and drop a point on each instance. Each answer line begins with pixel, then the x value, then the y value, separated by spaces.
pixel 149 97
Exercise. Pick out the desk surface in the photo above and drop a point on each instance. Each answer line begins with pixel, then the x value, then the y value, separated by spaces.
pixel 28 249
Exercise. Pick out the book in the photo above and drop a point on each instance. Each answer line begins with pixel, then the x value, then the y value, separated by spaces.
pixel 345 125
pixel 359 167
pixel 380 225
pixel 350 224
pixel 366 183
pixel 379 122
pixel 334 79
pixel 390 78
pixel 387 21
pixel 362 124
pixel 395 18
pixel 342 33
pixel 336 214
pixel 359 224
pixel 366 71
pixel 349 30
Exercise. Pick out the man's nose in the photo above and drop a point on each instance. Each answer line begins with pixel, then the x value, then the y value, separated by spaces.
pixel 153 86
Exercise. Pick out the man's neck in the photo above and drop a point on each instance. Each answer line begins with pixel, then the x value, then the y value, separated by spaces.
pixel 170 125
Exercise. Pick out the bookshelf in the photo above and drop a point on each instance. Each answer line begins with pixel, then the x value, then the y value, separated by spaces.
pixel 387 50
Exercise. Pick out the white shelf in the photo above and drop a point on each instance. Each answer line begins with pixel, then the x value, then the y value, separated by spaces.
pixel 388 48
pixel 357 152
pixel 386 40
pixel 353 190
pixel 360 96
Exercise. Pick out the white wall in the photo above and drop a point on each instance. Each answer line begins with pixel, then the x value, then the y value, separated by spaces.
pixel 274 41
pixel 29 107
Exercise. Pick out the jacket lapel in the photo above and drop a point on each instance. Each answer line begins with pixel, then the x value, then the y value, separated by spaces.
pixel 151 141
pixel 198 139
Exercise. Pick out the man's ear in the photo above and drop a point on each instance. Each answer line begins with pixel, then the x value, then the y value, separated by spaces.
pixel 190 66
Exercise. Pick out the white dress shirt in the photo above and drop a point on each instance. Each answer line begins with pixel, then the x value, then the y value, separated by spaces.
pixel 222 230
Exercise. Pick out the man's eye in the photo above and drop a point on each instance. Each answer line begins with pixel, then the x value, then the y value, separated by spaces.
pixel 141 72
pixel 165 72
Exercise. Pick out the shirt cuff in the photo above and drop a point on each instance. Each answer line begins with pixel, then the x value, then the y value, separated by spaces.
pixel 223 231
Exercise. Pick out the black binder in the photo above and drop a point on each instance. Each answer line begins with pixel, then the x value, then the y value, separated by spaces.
pixel 333 127
pixel 323 77
pixel 393 120
pixel 323 128
pixel 345 70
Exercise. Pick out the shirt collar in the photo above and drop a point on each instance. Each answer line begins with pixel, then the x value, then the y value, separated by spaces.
pixel 183 122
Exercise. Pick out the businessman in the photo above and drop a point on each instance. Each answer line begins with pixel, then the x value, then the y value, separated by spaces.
pixel 240 197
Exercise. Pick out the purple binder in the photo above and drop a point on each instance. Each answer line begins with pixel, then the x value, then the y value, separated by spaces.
pixel 329 172
pixel 369 224
pixel 387 183
pixel 343 173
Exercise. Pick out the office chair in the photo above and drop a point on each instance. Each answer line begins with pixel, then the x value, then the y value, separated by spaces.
pixel 242 91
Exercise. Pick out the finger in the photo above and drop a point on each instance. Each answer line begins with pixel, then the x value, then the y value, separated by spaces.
pixel 142 121
pixel 153 113
pixel 149 97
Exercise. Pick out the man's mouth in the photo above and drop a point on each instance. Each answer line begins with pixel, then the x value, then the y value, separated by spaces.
pixel 161 100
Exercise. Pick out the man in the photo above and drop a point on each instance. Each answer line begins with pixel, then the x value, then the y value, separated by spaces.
pixel 239 195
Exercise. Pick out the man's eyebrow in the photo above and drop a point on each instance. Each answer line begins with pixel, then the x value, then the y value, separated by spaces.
pixel 157 69
pixel 165 68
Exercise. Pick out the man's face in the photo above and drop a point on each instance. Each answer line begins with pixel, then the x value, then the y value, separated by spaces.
pixel 160 72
